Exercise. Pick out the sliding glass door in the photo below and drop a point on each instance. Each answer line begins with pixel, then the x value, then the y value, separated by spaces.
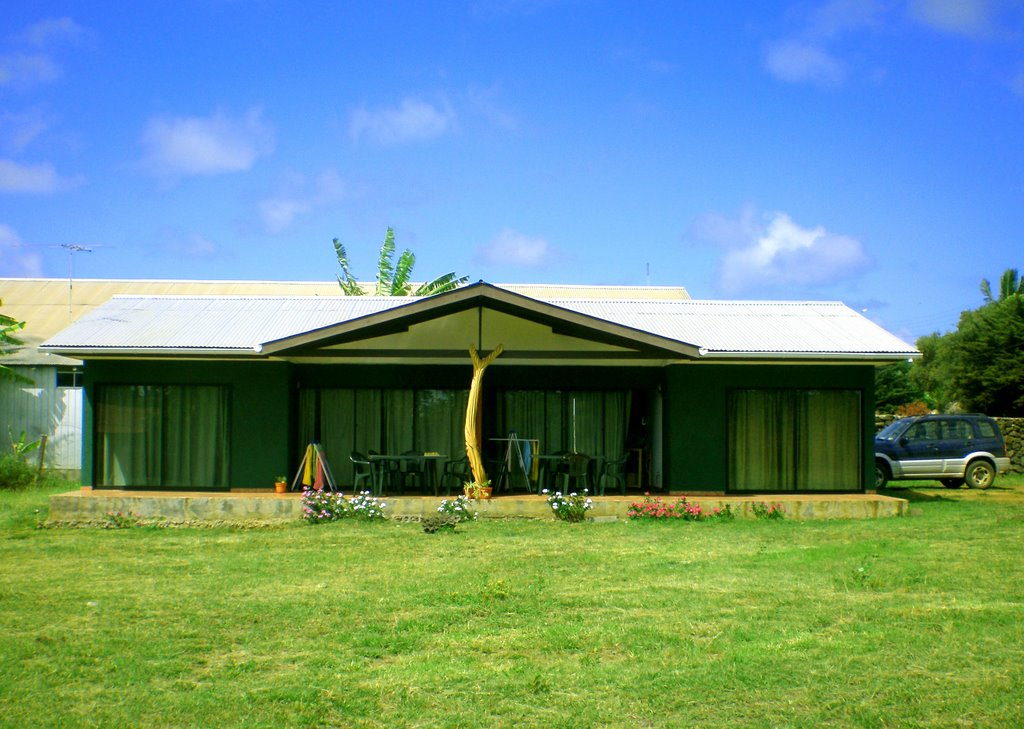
pixel 162 436
pixel 381 421
pixel 795 440
pixel 594 422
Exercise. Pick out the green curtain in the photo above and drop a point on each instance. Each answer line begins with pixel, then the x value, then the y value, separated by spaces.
pixel 398 421
pixel 162 436
pixel 383 421
pixel 439 422
pixel 587 421
pixel 786 440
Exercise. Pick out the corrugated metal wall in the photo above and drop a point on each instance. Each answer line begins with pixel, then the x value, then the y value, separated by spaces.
pixel 42 408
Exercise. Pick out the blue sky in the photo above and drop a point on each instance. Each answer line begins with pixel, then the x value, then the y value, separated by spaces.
pixel 861 150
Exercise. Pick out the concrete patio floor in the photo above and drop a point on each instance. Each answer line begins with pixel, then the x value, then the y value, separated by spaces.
pixel 92 506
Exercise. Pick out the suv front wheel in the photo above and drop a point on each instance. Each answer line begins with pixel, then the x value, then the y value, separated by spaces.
pixel 881 474
pixel 979 474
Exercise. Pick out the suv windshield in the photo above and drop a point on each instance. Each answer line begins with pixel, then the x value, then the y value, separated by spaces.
pixel 894 429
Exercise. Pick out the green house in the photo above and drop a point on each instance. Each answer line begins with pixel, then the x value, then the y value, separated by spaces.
pixel 224 392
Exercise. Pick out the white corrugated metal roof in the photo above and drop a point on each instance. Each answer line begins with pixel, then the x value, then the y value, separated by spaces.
pixel 48 305
pixel 243 323
pixel 210 322
pixel 751 327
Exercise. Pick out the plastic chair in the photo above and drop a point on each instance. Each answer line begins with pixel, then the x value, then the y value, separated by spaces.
pixel 457 471
pixel 364 469
pixel 577 470
pixel 389 471
pixel 614 472
pixel 412 470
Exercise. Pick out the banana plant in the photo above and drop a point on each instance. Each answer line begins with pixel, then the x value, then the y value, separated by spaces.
pixel 7 344
pixel 393 278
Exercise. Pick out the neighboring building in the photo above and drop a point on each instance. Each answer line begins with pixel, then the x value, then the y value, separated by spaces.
pixel 220 392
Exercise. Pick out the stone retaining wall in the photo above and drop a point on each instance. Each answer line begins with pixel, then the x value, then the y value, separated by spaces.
pixel 91 508
pixel 1013 434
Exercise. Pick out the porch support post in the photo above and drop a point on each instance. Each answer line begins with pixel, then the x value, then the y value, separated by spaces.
pixel 472 426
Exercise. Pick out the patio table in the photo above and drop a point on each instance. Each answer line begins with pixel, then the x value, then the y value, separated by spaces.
pixel 428 460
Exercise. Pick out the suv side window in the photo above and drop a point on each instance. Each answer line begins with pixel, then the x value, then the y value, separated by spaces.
pixel 957 430
pixel 927 430
pixel 986 429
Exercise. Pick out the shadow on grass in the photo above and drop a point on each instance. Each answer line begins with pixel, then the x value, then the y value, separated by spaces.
pixel 915 495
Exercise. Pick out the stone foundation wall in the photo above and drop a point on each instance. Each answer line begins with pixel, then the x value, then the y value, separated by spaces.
pixel 1012 429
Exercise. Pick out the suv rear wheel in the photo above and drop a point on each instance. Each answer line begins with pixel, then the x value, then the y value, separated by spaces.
pixel 979 474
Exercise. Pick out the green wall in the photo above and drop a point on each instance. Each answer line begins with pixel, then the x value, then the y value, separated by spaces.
pixel 696 407
pixel 695 400
pixel 260 402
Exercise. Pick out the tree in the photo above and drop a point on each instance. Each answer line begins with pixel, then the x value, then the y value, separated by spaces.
pixel 393 279
pixel 986 358
pixel 1010 284
pixel 8 342
pixel 894 387
pixel 930 373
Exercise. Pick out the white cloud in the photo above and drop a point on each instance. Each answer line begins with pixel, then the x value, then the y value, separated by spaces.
pixel 841 16
pixel 40 178
pixel 797 61
pixel 206 145
pixel 485 102
pixel 54 30
pixel 18 130
pixel 513 248
pixel 16 260
pixel 189 245
pixel 972 18
pixel 278 214
pixel 412 121
pixel 778 253
pixel 32 65
pixel 302 196
pixel 24 70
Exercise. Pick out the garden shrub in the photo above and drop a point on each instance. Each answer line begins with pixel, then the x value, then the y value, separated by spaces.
pixel 653 509
pixel 571 507
pixel 461 507
pixel 440 523
pixel 319 506
pixel 15 473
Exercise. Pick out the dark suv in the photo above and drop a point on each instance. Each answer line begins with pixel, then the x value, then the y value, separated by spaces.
pixel 954 449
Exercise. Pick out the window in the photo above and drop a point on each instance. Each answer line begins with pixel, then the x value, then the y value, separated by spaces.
pixel 803 440
pixel 162 436
pixel 69 377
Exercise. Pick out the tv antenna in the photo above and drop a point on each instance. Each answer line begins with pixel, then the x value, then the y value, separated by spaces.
pixel 72 249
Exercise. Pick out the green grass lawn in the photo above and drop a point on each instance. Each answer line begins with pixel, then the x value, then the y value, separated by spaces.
pixel 912 622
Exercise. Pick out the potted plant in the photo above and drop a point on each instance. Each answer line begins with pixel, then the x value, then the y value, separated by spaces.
pixel 476 490
pixel 280 484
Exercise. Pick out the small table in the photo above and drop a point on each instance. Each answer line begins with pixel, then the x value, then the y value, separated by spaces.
pixel 429 461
